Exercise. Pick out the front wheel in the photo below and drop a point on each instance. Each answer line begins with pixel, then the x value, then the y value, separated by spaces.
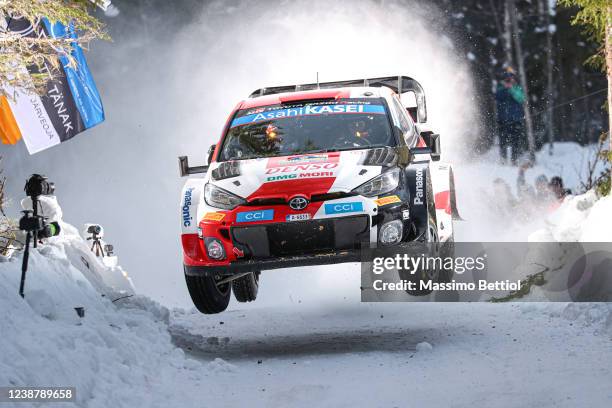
pixel 424 274
pixel 207 296
pixel 246 288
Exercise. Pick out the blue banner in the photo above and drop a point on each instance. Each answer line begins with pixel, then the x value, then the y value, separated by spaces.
pixel 81 83
pixel 308 110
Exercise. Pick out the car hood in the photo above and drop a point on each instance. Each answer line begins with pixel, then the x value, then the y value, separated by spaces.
pixel 307 174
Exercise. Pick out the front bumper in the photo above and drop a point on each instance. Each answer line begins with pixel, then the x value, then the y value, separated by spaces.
pixel 327 258
pixel 326 238
pixel 262 241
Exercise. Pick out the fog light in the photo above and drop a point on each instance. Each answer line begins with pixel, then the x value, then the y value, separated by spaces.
pixel 214 248
pixel 391 233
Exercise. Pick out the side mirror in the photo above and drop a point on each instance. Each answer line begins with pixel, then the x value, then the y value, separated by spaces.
pixel 185 170
pixel 211 152
pixel 432 146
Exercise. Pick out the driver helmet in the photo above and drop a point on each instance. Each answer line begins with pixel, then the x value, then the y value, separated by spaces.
pixel 359 128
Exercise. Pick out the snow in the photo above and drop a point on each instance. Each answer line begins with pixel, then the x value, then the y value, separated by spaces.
pixel 424 347
pixel 348 355
pixel 111 11
pixel 583 218
pixel 134 352
pixel 323 345
pixel 490 218
pixel 119 354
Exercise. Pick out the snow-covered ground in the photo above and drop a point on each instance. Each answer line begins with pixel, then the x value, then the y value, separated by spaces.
pixel 321 347
pixel 374 355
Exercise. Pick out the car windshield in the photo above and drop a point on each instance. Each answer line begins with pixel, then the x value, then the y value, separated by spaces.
pixel 313 127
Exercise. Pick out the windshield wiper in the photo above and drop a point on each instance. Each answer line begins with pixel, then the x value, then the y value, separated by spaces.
pixel 319 151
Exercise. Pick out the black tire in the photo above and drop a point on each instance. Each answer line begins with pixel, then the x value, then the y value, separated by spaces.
pixel 246 288
pixel 207 296
pixel 447 251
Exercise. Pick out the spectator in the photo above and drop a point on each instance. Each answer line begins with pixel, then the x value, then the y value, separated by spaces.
pixel 540 194
pixel 556 186
pixel 510 116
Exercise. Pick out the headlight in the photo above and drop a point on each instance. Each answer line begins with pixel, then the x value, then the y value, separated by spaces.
pixel 219 198
pixel 382 184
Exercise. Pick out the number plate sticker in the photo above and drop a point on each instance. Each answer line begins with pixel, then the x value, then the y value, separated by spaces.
pixel 298 217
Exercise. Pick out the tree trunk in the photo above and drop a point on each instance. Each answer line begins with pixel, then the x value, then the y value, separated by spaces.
pixel 507 37
pixel 520 60
pixel 608 36
pixel 550 98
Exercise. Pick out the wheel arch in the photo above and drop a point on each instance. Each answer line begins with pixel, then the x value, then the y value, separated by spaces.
pixel 445 198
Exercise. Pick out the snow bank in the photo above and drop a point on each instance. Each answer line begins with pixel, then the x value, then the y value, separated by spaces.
pixel 119 354
pixel 492 217
pixel 582 218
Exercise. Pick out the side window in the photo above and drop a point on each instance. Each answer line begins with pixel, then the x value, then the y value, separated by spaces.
pixel 405 123
pixel 401 112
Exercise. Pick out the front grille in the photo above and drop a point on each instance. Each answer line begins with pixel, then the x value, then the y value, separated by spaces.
pixel 302 237
pixel 314 198
pixel 267 201
pixel 331 196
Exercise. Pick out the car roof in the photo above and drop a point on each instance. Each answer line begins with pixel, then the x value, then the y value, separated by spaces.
pixel 327 93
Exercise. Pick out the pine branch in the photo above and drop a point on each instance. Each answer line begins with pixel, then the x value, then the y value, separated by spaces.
pixel 40 53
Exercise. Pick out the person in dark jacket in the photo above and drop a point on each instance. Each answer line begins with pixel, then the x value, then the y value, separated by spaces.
pixel 510 116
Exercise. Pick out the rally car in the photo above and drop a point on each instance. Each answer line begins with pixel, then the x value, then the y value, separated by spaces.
pixel 307 175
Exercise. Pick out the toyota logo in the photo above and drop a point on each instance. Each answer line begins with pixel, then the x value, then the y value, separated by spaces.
pixel 298 203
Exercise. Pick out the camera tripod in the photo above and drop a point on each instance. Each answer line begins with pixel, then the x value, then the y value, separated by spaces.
pixel 35 226
pixel 96 245
pixel 29 234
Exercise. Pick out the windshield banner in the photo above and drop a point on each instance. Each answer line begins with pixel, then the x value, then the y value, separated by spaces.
pixel 308 110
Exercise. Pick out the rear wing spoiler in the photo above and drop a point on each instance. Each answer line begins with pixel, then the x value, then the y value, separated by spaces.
pixel 399 84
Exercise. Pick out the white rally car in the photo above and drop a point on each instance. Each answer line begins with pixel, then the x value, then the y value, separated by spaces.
pixel 307 175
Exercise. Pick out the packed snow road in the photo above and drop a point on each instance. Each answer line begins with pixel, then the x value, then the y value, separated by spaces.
pixel 384 355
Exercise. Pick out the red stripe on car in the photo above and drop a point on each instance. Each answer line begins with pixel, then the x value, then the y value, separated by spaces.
pixel 443 202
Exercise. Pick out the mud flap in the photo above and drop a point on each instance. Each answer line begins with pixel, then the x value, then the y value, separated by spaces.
pixel 417 174
pixel 453 197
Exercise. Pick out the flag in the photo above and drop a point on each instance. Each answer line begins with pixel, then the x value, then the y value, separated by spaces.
pixel 9 130
pixel 70 105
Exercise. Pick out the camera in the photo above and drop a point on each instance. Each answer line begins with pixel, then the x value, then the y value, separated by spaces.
pixel 109 249
pixel 31 223
pixel 94 229
pixel 38 185
pixel 97 233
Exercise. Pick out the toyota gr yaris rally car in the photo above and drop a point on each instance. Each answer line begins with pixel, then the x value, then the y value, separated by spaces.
pixel 307 175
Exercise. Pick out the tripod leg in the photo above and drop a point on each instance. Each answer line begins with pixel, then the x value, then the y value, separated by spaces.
pixel 24 265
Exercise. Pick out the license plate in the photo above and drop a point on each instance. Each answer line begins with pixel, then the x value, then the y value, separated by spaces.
pixel 298 217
